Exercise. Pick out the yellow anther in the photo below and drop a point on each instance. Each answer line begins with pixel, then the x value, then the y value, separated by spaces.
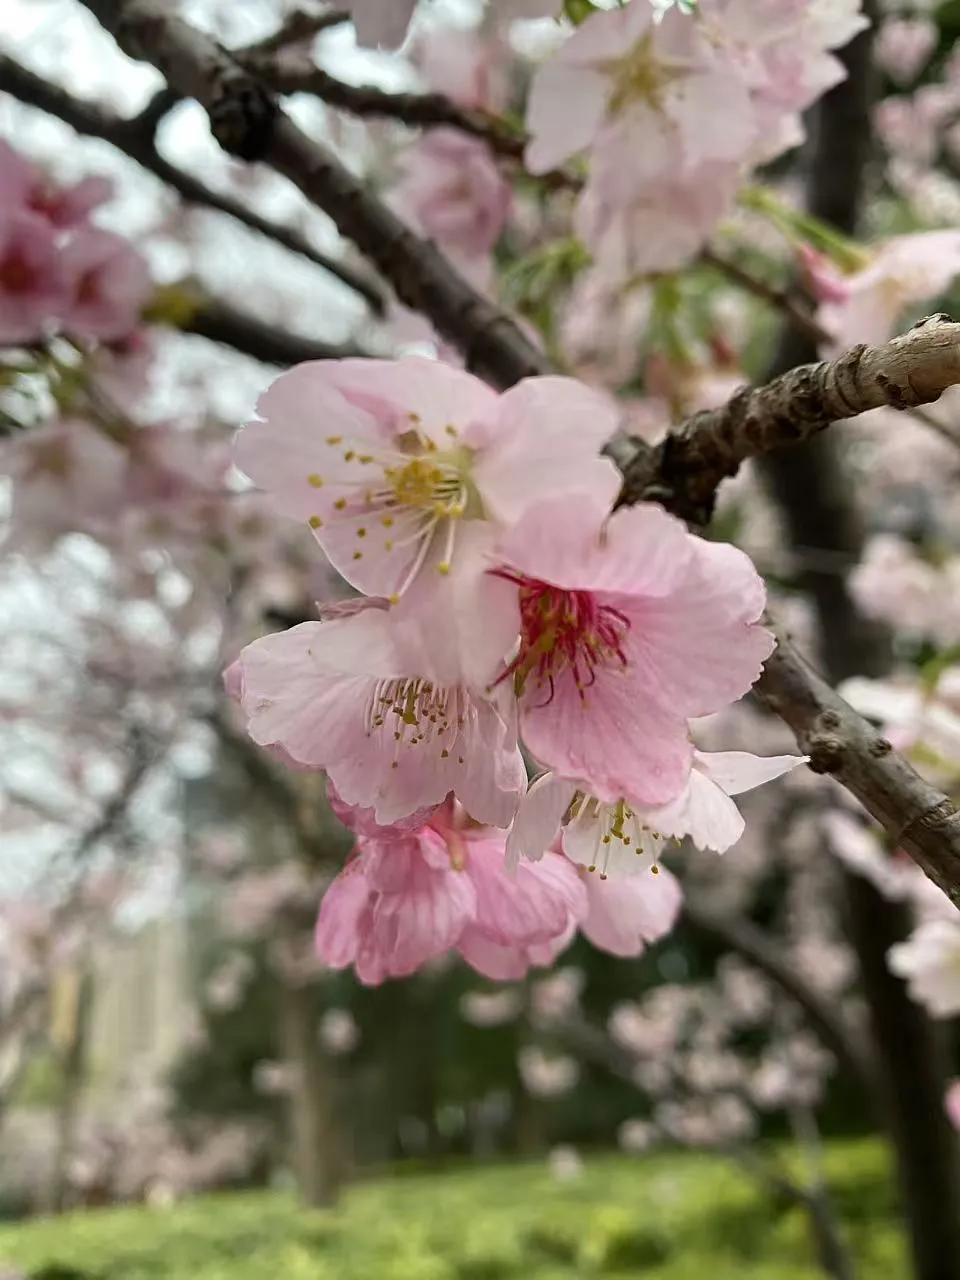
pixel 334 439
pixel 315 522
pixel 340 503
pixel 315 480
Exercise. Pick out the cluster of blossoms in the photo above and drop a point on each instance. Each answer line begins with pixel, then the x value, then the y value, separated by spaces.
pixel 503 600
pixel 695 100
pixel 58 271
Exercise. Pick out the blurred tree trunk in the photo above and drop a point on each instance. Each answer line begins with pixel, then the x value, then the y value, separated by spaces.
pixel 70 1037
pixel 812 491
pixel 316 1138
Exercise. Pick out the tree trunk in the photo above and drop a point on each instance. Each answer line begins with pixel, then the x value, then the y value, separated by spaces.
pixel 72 1061
pixel 316 1140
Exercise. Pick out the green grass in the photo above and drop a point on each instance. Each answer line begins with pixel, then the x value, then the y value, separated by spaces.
pixel 667 1217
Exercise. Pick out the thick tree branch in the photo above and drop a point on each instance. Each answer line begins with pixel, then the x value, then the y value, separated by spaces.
pixel 841 743
pixel 135 138
pixel 684 470
pixel 247 122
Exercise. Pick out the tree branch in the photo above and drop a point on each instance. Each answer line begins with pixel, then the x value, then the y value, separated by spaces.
pixel 135 138
pixel 223 323
pixel 683 471
pixel 297 26
pixel 780 299
pixel 426 109
pixel 247 122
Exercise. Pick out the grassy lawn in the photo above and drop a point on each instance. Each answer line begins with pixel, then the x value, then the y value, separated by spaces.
pixel 666 1217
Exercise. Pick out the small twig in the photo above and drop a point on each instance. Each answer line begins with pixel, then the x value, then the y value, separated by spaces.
pixel 782 299
pixel 297 26
pixel 430 109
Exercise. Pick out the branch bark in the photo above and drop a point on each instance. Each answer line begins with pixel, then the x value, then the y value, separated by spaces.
pixel 684 470
pixel 135 138
pixel 230 327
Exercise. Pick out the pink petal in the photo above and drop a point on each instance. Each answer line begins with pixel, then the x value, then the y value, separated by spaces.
pixel 625 915
pixel 704 812
pixel 338 923
pixel 545 443
pixel 538 819
pixel 531 905
pixel 564 111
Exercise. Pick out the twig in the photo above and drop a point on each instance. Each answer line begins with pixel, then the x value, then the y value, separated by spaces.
pixel 135 138
pixel 428 109
pixel 781 299
pixel 297 26
pixel 941 428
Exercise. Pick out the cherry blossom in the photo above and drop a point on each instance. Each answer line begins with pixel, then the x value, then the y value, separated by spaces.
pixel 623 918
pixel 652 89
pixel 903 271
pixel 389 461
pixel 24 186
pixel 951 1104
pixel 406 897
pixel 454 191
pixel 628 628
pixel 108 283
pixel 33 288
pixel 620 837
pixel 394 704
pixel 930 962
pixel 904 45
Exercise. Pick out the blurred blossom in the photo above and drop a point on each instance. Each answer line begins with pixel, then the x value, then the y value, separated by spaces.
pixel 929 961
pixel 338 1031
pixel 546 1077
pixel 951 1103
pixel 565 1164
pixel 557 996
pixel 273 1078
pixel 491 1008
pixel 636 1136
pixel 903 46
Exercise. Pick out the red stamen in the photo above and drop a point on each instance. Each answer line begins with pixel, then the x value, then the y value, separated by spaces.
pixel 563 630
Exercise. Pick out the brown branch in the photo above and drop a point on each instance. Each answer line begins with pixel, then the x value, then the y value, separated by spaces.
pixel 230 327
pixel 839 742
pixel 247 122
pixel 135 138
pixel 297 26
pixel 683 471
pixel 426 109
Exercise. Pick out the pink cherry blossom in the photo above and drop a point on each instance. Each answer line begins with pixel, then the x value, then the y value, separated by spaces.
pixel 623 918
pixel 33 288
pixel 454 191
pixel 659 91
pixel 628 628
pixel 904 271
pixel 465 65
pixel 930 962
pixel 408 897
pixel 393 704
pixel 903 46
pixel 68 476
pixel 621 837
pixel 108 283
pixel 390 462
pixel 24 186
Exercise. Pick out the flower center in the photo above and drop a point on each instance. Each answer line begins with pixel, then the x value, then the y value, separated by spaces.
pixel 563 631
pixel 615 829
pixel 639 76
pixel 428 484
pixel 416 711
